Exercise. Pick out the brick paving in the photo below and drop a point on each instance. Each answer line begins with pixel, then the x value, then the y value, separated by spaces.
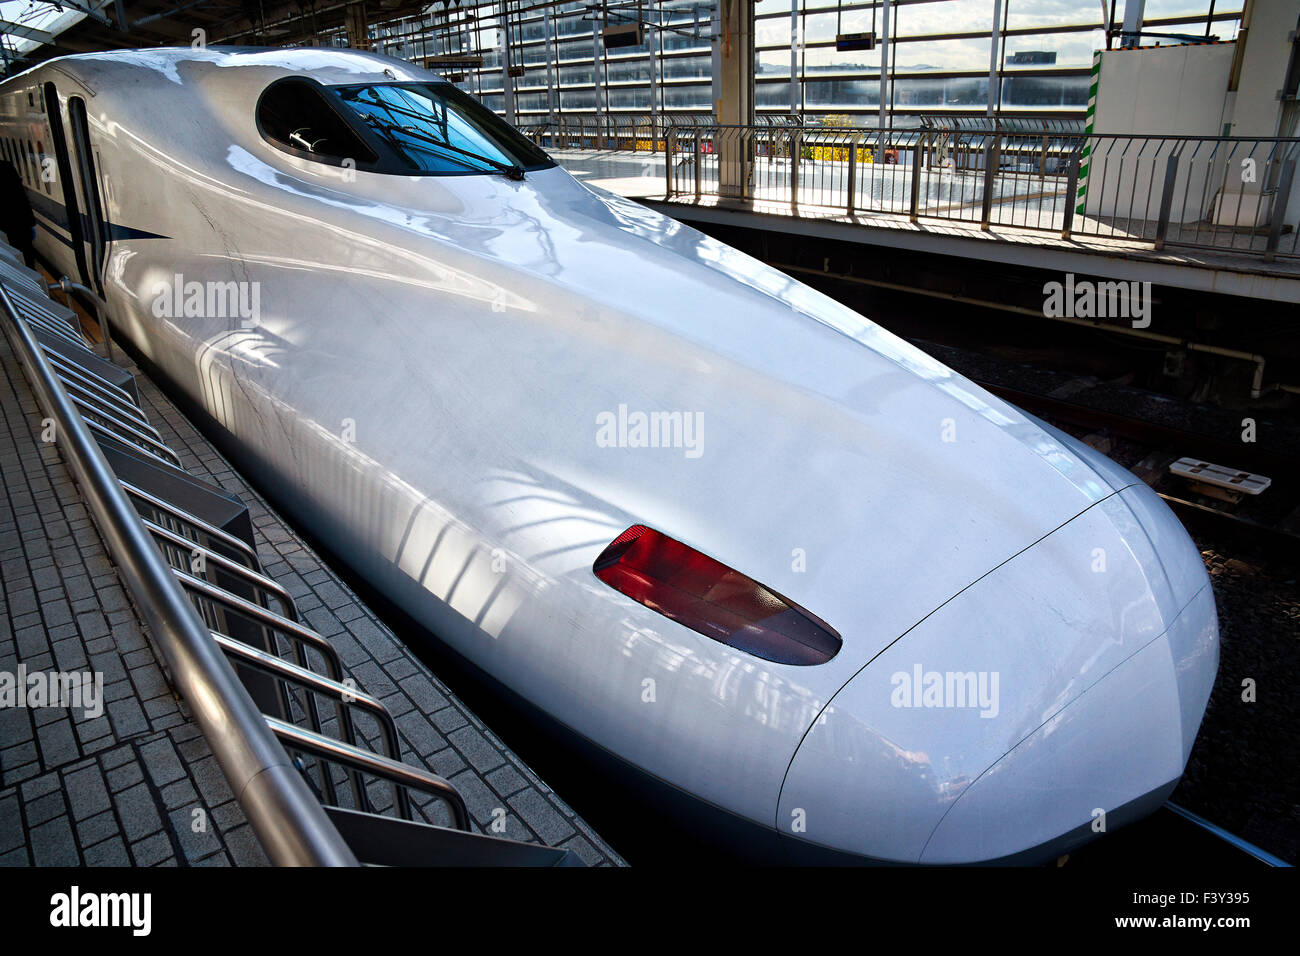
pixel 137 784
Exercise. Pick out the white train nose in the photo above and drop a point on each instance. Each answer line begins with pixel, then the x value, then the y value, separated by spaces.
pixel 1109 757
pixel 1045 702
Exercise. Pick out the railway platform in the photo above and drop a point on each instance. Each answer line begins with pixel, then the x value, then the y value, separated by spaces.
pixel 873 206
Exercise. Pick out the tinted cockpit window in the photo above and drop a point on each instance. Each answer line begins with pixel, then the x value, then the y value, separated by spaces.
pixel 437 128
pixel 295 115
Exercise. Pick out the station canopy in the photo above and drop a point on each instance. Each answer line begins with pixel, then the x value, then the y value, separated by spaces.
pixel 36 30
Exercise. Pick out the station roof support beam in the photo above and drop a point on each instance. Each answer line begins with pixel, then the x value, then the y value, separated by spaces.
pixel 26 33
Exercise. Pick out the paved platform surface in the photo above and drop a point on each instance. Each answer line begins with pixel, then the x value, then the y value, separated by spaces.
pixel 126 786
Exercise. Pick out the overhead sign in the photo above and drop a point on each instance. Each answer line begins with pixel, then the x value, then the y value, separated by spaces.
pixel 623 34
pixel 847 42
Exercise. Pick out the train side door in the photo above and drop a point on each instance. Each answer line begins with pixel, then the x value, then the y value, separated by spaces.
pixel 95 230
pixel 63 163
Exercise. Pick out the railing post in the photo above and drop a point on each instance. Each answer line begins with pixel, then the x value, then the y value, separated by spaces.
pixel 1166 200
pixel 1280 201
pixel 914 200
pixel 853 172
pixel 796 147
pixel 992 158
pixel 747 163
pixel 698 163
pixel 1071 187
pixel 670 136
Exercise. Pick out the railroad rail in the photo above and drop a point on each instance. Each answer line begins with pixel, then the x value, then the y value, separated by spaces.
pixel 1194 510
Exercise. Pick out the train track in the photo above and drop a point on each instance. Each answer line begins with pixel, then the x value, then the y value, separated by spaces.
pixel 1278 532
pixel 1173 834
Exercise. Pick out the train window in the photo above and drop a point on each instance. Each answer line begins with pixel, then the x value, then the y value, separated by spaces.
pixel 295 115
pixel 437 128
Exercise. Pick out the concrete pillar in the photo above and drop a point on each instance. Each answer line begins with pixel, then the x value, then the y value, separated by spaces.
pixel 736 88
pixel 354 21
pixel 1133 12
pixel 994 64
pixel 795 89
pixel 552 91
pixel 507 81
pixel 884 68
pixel 598 76
pixel 652 46
pixel 1264 57
pixel 715 63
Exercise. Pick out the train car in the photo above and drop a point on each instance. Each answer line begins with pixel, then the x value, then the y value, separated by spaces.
pixel 726 530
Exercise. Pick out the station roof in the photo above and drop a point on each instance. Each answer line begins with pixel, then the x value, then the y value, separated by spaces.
pixel 36 30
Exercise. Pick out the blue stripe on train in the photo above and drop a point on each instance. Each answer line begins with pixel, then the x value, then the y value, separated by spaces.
pixel 57 213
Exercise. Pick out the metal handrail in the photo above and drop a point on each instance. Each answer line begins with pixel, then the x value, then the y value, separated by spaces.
pixel 31 299
pixel 15 272
pixel 394 771
pixel 67 368
pixel 340 693
pixel 309 679
pixel 254 578
pixel 100 427
pixel 300 637
pixel 285 815
pixel 286 627
pixel 134 413
pixel 52 326
pixel 203 527
pixel 113 421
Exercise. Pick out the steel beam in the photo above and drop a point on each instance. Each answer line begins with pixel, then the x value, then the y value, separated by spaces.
pixel 27 33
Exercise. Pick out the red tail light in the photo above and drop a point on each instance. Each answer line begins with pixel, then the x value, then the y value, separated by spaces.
pixel 707 596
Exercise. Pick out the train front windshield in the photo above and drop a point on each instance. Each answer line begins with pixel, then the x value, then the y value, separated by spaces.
pixel 437 128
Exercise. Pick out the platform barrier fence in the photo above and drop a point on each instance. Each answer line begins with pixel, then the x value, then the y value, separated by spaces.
pixel 1229 194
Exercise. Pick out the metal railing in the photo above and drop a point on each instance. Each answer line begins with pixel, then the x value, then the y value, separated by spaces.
pixel 202 592
pixel 638 132
pixel 298 681
pixel 209 572
pixel 1227 194
pixel 285 815
pixel 313 781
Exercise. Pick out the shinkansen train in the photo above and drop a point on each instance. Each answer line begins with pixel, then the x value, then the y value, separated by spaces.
pixel 742 540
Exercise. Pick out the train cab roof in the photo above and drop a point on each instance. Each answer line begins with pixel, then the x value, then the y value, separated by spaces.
pixel 327 65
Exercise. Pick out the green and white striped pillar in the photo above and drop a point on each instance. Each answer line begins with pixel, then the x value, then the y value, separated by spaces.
pixel 1094 80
